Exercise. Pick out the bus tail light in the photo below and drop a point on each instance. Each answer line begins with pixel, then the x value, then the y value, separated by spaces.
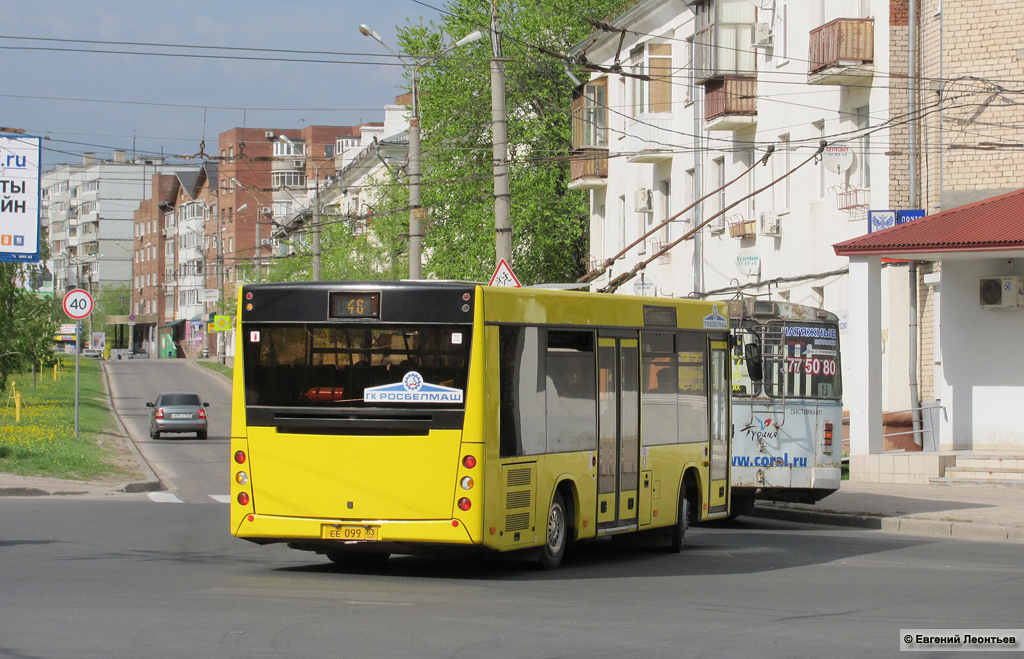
pixel 466 483
pixel 241 478
pixel 243 498
pixel 465 504
pixel 240 457
pixel 828 437
pixel 469 461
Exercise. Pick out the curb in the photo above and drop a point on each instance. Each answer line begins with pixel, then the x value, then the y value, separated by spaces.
pixel 910 525
pixel 152 482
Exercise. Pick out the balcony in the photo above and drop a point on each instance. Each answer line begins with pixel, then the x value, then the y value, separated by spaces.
pixel 588 168
pixel 842 52
pixel 730 103
pixel 649 140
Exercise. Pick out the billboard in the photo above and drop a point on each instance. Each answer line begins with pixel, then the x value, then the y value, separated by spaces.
pixel 19 197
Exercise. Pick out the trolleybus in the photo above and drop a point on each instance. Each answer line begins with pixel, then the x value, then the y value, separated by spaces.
pixel 377 418
pixel 787 402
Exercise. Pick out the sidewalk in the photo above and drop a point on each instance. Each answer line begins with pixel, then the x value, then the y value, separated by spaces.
pixel 964 512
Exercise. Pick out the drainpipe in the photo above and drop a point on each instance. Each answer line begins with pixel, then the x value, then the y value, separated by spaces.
pixel 915 403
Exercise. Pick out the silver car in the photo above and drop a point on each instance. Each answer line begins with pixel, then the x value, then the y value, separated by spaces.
pixel 178 411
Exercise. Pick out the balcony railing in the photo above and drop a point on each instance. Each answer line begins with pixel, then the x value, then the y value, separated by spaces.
pixel 588 168
pixel 730 103
pixel 842 52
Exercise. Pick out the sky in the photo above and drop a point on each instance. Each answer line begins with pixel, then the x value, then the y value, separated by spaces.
pixel 150 104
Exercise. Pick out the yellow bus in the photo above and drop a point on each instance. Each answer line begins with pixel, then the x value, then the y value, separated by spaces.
pixel 379 418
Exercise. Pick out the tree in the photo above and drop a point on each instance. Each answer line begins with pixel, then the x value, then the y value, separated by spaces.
pixel 550 222
pixel 26 326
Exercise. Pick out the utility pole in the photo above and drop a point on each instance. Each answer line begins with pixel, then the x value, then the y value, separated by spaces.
pixel 499 135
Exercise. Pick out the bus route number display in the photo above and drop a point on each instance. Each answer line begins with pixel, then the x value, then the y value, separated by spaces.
pixel 355 305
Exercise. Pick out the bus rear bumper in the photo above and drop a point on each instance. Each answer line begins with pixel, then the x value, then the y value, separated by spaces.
pixel 327 533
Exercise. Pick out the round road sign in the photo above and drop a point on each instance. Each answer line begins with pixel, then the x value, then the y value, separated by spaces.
pixel 78 304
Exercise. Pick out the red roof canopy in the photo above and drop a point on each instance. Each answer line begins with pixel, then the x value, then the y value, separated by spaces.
pixel 990 225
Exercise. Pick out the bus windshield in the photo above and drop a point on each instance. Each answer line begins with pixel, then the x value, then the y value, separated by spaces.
pixel 379 365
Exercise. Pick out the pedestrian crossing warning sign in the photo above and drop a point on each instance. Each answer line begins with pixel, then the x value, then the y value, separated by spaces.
pixel 221 324
pixel 503 276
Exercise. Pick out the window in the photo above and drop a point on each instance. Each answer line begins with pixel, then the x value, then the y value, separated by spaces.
pixel 549 395
pixel 820 127
pixel 862 121
pixel 590 115
pixel 781 32
pixel 724 38
pixel 285 149
pixel 783 165
pixel 288 179
pixel 718 171
pixel 653 60
pixel 328 151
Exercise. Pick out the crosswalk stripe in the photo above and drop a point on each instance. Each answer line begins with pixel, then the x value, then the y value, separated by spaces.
pixel 221 498
pixel 164 497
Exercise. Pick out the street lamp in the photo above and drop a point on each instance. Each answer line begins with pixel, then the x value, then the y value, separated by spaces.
pixel 416 212
pixel 259 241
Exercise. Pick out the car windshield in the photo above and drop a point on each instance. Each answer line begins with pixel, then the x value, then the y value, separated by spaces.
pixel 179 399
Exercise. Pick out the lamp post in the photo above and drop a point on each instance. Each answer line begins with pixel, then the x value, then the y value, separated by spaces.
pixel 416 211
pixel 315 229
pixel 499 148
pixel 259 239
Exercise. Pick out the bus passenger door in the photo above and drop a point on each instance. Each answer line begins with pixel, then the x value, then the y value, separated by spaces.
pixel 618 455
pixel 721 428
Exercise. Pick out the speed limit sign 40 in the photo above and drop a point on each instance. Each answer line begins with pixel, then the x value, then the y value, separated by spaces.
pixel 78 304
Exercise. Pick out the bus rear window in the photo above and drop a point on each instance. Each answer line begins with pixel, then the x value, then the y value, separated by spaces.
pixel 299 365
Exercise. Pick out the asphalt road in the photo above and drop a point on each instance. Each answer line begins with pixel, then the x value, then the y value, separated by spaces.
pixel 144 576
pixel 193 470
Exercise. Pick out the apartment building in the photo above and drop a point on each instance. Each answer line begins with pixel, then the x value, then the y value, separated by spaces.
pixel 916 111
pixel 87 217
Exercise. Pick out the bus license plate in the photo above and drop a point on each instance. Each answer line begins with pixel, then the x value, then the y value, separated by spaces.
pixel 346 532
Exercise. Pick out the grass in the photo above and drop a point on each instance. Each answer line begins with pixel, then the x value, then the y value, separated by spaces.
pixel 218 367
pixel 44 443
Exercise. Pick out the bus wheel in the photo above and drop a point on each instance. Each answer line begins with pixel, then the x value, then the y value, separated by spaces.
pixel 558 532
pixel 677 533
pixel 358 562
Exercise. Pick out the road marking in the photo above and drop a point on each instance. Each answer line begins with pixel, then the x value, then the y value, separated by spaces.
pixel 164 497
pixel 221 498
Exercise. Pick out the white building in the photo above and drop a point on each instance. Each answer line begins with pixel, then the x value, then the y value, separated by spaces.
pixel 88 217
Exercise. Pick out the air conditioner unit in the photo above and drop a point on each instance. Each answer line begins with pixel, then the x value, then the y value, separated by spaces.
pixel 265 241
pixel 769 224
pixel 1001 292
pixel 265 210
pixel 299 164
pixel 269 134
pixel 644 200
pixel 762 35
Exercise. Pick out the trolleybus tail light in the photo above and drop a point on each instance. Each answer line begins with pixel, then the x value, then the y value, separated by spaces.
pixel 240 457
pixel 469 462
pixel 465 504
pixel 828 435
pixel 243 498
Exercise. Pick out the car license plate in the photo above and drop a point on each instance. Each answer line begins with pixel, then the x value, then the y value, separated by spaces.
pixel 181 416
pixel 349 532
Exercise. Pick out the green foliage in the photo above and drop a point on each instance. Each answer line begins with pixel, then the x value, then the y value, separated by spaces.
pixel 550 222
pixel 26 327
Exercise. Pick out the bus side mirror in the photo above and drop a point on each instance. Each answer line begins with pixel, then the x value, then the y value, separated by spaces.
pixel 752 355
